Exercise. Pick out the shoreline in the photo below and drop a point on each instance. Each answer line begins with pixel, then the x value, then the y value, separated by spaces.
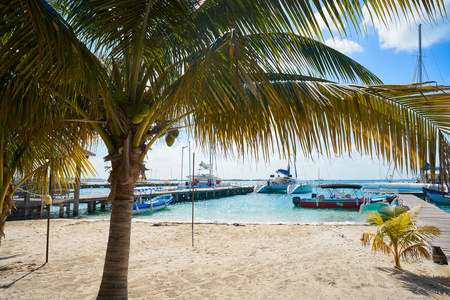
pixel 228 261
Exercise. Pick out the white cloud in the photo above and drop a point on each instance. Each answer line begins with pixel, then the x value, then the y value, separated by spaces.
pixel 323 25
pixel 402 34
pixel 344 46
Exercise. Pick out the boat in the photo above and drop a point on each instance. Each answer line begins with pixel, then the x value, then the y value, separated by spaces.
pixel 378 199
pixel 204 181
pixel 438 197
pixel 401 187
pixel 151 205
pixel 283 183
pixel 342 196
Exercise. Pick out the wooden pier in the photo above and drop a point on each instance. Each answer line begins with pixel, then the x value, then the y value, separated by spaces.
pixel 434 216
pixel 92 200
pixel 138 184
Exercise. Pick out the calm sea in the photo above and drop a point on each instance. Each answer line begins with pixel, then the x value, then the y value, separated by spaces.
pixel 250 208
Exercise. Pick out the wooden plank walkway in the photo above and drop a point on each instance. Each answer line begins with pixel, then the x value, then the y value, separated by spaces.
pixel 432 215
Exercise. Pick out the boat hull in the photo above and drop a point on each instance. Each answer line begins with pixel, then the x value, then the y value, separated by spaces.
pixel 346 203
pixel 338 203
pixel 437 196
pixel 287 187
pixel 373 207
pixel 299 189
pixel 401 187
pixel 273 188
pixel 155 204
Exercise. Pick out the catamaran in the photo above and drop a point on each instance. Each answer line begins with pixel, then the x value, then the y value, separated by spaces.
pixel 283 182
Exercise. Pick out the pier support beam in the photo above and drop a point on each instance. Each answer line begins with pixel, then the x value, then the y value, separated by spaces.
pixel 91 207
pixel 76 193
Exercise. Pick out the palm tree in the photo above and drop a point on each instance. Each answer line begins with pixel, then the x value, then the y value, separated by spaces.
pixel 397 234
pixel 33 133
pixel 34 151
pixel 235 72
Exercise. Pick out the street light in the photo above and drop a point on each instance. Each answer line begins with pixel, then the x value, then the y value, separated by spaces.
pixel 181 177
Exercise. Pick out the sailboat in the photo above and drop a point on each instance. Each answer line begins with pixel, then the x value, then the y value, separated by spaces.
pixel 282 182
pixel 406 186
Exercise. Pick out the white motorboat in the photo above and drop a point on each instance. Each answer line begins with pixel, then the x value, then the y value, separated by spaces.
pixel 401 187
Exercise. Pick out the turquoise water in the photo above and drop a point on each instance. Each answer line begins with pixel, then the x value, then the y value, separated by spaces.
pixel 250 208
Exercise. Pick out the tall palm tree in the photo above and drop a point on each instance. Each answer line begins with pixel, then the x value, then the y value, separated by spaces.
pixel 237 72
pixel 397 234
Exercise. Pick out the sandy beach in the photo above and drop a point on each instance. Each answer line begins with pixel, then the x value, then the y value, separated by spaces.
pixel 227 262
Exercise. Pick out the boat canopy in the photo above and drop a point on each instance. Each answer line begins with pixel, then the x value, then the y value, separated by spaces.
pixel 284 172
pixel 341 186
pixel 427 167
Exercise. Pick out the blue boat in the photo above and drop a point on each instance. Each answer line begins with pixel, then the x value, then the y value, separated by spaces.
pixel 438 197
pixel 152 205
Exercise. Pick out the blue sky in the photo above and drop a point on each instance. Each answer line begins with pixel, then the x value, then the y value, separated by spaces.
pixel 391 54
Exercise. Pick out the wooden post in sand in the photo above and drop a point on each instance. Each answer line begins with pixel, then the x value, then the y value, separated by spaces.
pixel 193 186
pixel 48 232
pixel 48 202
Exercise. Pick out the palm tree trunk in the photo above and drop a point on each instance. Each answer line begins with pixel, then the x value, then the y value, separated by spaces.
pixel 8 204
pixel 114 283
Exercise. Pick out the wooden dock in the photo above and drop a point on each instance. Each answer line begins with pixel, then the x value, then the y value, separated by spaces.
pixel 138 184
pixel 432 215
pixel 92 200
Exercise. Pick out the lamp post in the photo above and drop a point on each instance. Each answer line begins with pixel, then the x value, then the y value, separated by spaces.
pixel 181 176
pixel 190 173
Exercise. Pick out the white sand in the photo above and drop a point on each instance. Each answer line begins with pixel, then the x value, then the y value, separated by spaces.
pixel 227 262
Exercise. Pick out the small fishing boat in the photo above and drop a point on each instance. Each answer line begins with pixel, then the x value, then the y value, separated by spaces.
pixel 153 204
pixel 438 197
pixel 342 196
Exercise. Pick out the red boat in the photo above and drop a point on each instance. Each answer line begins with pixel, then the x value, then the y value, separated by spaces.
pixel 318 202
pixel 337 200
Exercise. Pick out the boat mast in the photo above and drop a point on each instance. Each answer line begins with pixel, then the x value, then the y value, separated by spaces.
pixel 210 161
pixel 420 53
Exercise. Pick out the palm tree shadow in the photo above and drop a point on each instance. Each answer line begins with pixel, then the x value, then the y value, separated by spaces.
pixel 419 284
pixel 20 278
pixel 8 257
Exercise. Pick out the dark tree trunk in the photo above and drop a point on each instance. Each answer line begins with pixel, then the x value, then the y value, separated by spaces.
pixel 8 204
pixel 126 168
pixel 115 273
